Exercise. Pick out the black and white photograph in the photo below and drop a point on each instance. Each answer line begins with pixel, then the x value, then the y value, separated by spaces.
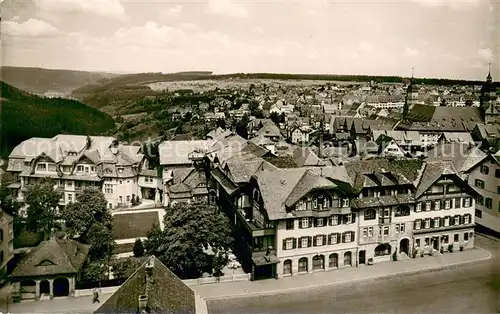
pixel 249 156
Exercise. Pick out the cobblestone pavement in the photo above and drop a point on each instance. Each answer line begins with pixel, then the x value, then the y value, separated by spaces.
pixel 471 288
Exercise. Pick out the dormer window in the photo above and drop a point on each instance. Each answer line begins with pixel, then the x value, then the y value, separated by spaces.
pixel 120 170
pixel 41 167
pixel 79 168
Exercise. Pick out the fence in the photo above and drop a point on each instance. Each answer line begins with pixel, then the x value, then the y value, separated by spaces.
pixel 188 282
pixel 210 280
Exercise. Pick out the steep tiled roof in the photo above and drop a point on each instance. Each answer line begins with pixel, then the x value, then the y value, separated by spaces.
pixel 463 156
pixel 432 172
pixel 177 152
pixel 305 157
pixel 165 292
pixel 53 257
pixel 309 181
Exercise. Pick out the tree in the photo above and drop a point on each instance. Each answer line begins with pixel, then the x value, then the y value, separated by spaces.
pixel 138 248
pixel 101 241
pixel 220 260
pixel 242 127
pixel 90 208
pixel 221 123
pixel 190 230
pixel 153 241
pixel 275 117
pixel 42 200
pixel 93 271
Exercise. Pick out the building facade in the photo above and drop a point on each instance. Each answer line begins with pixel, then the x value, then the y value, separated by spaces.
pixel 76 162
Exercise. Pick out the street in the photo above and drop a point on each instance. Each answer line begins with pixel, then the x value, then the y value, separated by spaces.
pixel 473 288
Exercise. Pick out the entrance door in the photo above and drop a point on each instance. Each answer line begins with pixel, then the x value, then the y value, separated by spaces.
pixel 435 243
pixel 362 256
pixel 404 246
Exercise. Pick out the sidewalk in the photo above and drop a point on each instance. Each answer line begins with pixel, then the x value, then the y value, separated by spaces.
pixel 345 275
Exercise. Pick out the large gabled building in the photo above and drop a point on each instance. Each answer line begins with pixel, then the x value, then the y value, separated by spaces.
pixel 75 162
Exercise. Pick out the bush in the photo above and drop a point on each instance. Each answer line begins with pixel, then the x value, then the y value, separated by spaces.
pixel 138 248
pixel 122 268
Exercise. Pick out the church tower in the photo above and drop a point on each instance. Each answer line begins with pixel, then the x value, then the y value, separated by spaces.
pixel 411 96
pixel 489 103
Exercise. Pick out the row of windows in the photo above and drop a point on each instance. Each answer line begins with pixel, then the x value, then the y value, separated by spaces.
pixel 309 222
pixel 442 221
pixel 85 169
pixel 385 230
pixel 445 239
pixel 401 211
pixel 443 204
pixel 318 263
pixel 486 170
pixel 488 202
pixel 318 240
pixel 322 203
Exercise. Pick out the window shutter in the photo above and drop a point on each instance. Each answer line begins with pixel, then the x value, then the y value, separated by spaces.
pixel 432 222
pixel 353 218
pixel 415 224
pixel 300 243
pixel 458 203
pixel 438 224
pixel 309 239
pixel 441 221
pixel 461 219
pixel 284 244
pixel 324 239
pixel 330 222
pixel 339 237
pixel 329 239
pixel 343 237
pixel 442 204
pixel 300 223
pixel 311 222
pixel 353 234
pixel 314 240
pixel 315 222
pixel 294 243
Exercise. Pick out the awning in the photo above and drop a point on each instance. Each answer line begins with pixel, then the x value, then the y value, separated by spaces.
pixel 265 260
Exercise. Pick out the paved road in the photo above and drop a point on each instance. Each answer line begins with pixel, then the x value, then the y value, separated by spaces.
pixel 473 288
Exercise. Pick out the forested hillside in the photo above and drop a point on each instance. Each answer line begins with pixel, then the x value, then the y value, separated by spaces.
pixel 41 81
pixel 24 115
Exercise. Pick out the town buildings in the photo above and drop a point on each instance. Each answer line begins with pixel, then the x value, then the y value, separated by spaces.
pixel 302 220
pixel 76 161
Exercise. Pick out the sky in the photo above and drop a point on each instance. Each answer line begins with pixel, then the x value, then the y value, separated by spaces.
pixel 439 38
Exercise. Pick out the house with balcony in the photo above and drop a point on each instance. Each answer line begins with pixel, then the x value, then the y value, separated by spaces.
pixel 303 222
pixel 75 162
pixel 383 200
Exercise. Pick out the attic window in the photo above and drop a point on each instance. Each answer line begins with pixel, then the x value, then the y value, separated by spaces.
pixel 45 262
pixel 107 170
pixel 120 170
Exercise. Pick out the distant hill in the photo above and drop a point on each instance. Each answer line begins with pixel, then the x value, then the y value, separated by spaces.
pixel 47 81
pixel 25 115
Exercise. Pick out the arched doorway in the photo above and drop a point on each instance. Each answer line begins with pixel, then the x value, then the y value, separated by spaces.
pixel 28 289
pixel 383 249
pixel 404 246
pixel 333 260
pixel 347 259
pixel 303 265
pixel 318 262
pixel 362 257
pixel 287 267
pixel 44 287
pixel 61 287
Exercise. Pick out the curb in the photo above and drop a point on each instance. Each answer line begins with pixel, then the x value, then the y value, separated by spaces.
pixel 385 276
